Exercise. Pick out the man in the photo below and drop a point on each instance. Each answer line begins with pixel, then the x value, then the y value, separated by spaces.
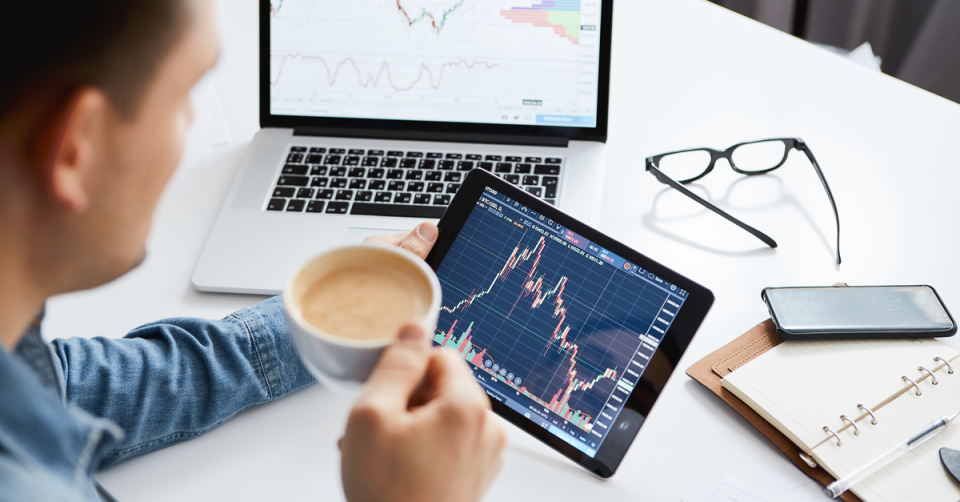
pixel 93 110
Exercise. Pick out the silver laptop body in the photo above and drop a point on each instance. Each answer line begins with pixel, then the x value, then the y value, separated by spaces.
pixel 317 176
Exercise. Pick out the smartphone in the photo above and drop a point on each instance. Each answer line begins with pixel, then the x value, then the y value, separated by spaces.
pixel 841 312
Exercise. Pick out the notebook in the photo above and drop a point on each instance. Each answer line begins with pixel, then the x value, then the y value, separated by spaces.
pixel 802 387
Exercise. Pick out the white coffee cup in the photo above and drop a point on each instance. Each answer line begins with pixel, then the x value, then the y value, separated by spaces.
pixel 357 283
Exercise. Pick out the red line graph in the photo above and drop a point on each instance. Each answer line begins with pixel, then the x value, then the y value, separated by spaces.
pixel 532 286
pixel 374 80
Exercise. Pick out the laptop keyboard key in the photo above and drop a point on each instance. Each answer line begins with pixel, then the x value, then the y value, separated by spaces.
pixel 318 149
pixel 522 168
pixel 546 169
pixel 397 210
pixel 451 177
pixel 389 162
pixel 427 164
pixel 296 205
pixel 464 165
pixel 295 158
pixel 377 184
pixel 533 160
pixel 298 149
pixel 276 204
pixel 435 188
pixel 375 173
pixel 396 186
pixel 453 187
pixel 383 197
pixel 433 176
pixel 415 186
pixel 364 196
pixel 370 162
pixel 408 163
pixel 415 155
pixel 305 193
pixel 338 151
pixel 454 156
pixel 319 182
pixel 293 181
pixel 338 183
pixel 416 174
pixel 531 180
pixel 318 171
pixel 299 169
pixel 351 161
pixel 550 192
pixel 344 194
pixel 394 153
pixel 494 158
pixel 314 158
pixel 512 178
pixel 474 156
pixel 325 194
pixel 358 184
pixel 315 206
pixel 395 174
pixel 338 171
pixel 402 198
pixel 375 153
pixel 441 200
pixel 503 167
pixel 434 155
pixel 485 165
pixel 421 198
pixel 446 165
pixel 338 207
pixel 551 160
pixel 356 151
pixel 356 172
pixel 513 159
pixel 332 160
pixel 284 192
pixel 535 191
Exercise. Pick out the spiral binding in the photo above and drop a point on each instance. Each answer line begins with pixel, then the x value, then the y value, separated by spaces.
pixel 868 411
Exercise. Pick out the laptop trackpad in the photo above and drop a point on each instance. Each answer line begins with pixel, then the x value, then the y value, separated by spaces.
pixel 355 235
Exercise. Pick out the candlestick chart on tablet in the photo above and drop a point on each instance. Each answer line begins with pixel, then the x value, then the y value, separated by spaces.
pixel 556 326
pixel 481 61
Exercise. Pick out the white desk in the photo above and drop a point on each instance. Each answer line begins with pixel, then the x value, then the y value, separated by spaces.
pixel 685 74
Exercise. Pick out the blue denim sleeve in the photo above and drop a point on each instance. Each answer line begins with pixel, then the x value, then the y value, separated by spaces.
pixel 175 379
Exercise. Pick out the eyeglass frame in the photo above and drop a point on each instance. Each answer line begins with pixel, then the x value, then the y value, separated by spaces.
pixel 653 162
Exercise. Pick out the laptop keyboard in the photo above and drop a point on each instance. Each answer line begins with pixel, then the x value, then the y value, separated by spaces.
pixel 409 183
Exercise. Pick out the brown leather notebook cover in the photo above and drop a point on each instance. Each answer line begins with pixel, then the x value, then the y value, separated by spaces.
pixel 711 369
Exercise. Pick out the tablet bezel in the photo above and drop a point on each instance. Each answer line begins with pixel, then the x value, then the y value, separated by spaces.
pixel 675 341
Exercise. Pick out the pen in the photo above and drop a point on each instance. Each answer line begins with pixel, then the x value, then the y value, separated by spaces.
pixel 932 429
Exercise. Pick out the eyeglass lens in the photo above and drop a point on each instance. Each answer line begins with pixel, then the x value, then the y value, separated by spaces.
pixel 685 165
pixel 759 156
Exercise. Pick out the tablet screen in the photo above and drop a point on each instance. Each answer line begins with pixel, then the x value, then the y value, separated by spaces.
pixel 554 326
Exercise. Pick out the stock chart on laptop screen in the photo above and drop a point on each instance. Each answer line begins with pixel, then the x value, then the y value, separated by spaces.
pixel 525 62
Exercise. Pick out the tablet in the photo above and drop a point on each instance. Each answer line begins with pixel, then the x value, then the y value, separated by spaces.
pixel 572 334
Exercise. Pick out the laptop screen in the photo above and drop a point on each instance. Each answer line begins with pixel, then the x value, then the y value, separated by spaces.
pixel 503 62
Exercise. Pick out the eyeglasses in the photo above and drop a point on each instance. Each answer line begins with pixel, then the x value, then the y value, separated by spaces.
pixel 751 158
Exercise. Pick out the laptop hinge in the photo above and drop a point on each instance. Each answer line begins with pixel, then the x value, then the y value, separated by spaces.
pixel 450 137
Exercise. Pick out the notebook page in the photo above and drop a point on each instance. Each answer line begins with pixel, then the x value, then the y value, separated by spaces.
pixel 917 475
pixel 801 387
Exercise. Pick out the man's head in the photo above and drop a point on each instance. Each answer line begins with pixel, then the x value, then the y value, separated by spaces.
pixel 93 110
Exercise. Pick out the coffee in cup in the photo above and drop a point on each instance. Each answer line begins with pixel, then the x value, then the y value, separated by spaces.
pixel 346 305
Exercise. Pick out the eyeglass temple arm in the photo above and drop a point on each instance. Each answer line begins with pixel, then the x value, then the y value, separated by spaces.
pixel 806 150
pixel 663 178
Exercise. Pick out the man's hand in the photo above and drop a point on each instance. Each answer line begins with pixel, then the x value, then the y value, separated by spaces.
pixel 418 241
pixel 422 429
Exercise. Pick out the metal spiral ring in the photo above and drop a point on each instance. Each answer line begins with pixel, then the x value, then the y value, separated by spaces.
pixel 944 361
pixel 831 431
pixel 933 378
pixel 856 431
pixel 915 386
pixel 873 419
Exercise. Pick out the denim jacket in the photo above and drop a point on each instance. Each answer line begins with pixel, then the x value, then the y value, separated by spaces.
pixel 71 407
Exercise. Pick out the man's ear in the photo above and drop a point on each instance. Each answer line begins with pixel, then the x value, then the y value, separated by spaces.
pixel 65 148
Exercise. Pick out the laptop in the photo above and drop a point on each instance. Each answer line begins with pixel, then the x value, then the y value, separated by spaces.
pixel 372 114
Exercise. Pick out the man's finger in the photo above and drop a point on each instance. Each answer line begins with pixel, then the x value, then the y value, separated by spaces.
pixel 449 377
pixel 400 370
pixel 421 239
